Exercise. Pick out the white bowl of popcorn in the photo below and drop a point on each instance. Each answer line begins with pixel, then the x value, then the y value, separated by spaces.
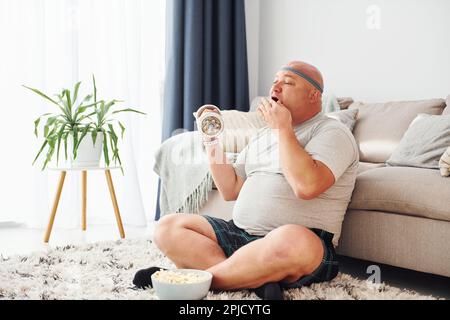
pixel 181 284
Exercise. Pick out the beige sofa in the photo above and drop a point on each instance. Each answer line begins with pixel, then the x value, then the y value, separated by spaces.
pixel 398 216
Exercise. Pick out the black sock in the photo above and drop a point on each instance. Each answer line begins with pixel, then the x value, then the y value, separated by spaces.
pixel 270 291
pixel 143 278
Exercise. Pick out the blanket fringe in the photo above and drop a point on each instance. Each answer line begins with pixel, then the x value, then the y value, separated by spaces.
pixel 195 201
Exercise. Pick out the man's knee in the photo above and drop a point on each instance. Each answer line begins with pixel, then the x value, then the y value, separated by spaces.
pixel 295 247
pixel 162 231
pixel 282 244
pixel 165 233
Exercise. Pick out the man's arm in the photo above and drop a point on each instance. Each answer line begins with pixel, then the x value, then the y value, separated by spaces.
pixel 225 178
pixel 308 177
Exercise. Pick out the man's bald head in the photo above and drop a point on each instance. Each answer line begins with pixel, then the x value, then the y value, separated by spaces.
pixel 307 69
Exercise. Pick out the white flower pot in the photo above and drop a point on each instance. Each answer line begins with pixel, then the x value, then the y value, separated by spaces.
pixel 88 154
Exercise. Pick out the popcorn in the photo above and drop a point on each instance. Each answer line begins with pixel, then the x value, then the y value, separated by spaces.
pixel 173 276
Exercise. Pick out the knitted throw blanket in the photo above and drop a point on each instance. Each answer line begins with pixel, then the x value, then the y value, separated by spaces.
pixel 183 168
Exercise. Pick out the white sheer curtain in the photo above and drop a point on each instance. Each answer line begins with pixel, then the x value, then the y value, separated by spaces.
pixel 50 44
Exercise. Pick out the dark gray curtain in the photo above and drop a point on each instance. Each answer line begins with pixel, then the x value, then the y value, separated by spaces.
pixel 206 61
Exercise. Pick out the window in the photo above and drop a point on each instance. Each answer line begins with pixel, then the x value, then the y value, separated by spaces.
pixel 50 44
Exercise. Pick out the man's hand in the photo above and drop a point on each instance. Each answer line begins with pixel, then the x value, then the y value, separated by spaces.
pixel 227 182
pixel 276 115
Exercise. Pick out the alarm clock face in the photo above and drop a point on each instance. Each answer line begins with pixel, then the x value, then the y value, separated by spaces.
pixel 211 125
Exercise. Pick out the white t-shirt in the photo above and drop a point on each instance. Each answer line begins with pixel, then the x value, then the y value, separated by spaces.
pixel 267 201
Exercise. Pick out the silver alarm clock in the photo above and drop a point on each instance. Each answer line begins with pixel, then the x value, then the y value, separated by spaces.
pixel 210 122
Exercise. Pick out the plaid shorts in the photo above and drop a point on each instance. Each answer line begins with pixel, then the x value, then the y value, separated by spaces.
pixel 231 238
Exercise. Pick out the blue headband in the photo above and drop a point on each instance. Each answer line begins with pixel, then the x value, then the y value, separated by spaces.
pixel 304 76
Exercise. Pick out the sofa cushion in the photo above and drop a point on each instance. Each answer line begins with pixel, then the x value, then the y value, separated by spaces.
pixel 364 166
pixel 380 126
pixel 345 102
pixel 424 143
pixel 234 119
pixel 444 163
pixel 447 108
pixel 404 190
pixel 239 128
pixel 347 117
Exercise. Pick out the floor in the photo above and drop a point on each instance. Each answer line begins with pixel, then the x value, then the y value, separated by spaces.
pixel 423 283
pixel 15 239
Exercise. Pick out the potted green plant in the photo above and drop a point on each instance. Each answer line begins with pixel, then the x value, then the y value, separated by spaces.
pixel 105 125
pixel 69 127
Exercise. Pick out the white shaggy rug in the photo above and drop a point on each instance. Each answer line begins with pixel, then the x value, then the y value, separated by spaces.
pixel 105 271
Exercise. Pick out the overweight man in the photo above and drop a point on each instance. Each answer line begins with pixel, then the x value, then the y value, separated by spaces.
pixel 292 185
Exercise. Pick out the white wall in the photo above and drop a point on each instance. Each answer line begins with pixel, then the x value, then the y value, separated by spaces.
pixel 407 58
